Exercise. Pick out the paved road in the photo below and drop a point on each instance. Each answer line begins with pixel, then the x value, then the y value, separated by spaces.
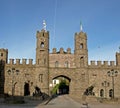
pixel 63 101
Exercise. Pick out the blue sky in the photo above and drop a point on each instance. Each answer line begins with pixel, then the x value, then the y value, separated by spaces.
pixel 20 19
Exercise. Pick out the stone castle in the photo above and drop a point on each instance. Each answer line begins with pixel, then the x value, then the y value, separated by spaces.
pixel 20 77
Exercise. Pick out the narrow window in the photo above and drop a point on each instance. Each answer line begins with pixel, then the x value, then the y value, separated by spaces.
pixel 81 61
pixel 66 64
pixel 56 64
pixel 42 45
pixel 81 46
pixel 43 34
pixel 1 54
pixel 101 93
pixel 38 61
pixel 41 78
pixel 111 93
pixel 44 61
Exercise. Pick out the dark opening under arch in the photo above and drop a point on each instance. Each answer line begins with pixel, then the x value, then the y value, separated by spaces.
pixel 26 89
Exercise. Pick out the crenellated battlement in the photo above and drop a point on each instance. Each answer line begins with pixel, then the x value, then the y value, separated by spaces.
pixel 61 51
pixel 42 33
pixel 102 63
pixel 19 61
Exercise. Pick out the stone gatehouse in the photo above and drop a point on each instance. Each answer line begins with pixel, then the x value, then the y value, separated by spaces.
pixel 20 77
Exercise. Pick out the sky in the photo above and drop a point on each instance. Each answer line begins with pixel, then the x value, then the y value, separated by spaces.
pixel 21 19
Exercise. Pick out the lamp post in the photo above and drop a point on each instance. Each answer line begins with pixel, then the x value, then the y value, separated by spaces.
pixel 105 84
pixel 13 72
pixel 112 73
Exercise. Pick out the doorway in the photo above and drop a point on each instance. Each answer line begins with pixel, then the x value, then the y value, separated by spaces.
pixel 26 89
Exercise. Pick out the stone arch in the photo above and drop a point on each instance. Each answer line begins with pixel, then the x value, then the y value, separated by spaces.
pixel 62 76
pixel 16 89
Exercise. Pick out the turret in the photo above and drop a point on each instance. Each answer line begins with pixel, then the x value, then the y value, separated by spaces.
pixel 118 59
pixel 3 61
pixel 81 51
pixel 4 55
pixel 42 47
pixel 42 59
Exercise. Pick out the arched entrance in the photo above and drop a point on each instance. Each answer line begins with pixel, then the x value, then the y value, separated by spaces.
pixel 61 84
pixel 26 89
pixel 111 93
pixel 101 93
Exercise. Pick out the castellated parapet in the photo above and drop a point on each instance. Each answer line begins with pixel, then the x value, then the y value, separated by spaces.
pixel 102 63
pixel 43 33
pixel 18 61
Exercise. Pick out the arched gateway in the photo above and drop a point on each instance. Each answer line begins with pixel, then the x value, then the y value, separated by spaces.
pixel 76 82
pixel 60 84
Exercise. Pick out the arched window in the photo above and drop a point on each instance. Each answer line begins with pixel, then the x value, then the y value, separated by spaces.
pixel 42 45
pixel 44 61
pixel 81 46
pixel 101 93
pixel 56 64
pixel 41 78
pixel 111 93
pixel 1 54
pixel 66 64
pixel 43 34
pixel 81 61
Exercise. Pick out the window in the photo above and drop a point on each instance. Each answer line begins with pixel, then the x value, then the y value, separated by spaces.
pixel 81 61
pixel 111 93
pixel 42 45
pixel 41 78
pixel 38 61
pixel 81 46
pixel 56 64
pixel 101 93
pixel 44 61
pixel 66 64
pixel 43 34
pixel 1 54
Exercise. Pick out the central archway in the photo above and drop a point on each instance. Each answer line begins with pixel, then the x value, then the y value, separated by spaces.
pixel 61 84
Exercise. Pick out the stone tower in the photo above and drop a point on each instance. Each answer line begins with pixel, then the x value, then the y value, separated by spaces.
pixel 81 51
pixel 3 61
pixel 4 55
pixel 42 59
pixel 118 58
